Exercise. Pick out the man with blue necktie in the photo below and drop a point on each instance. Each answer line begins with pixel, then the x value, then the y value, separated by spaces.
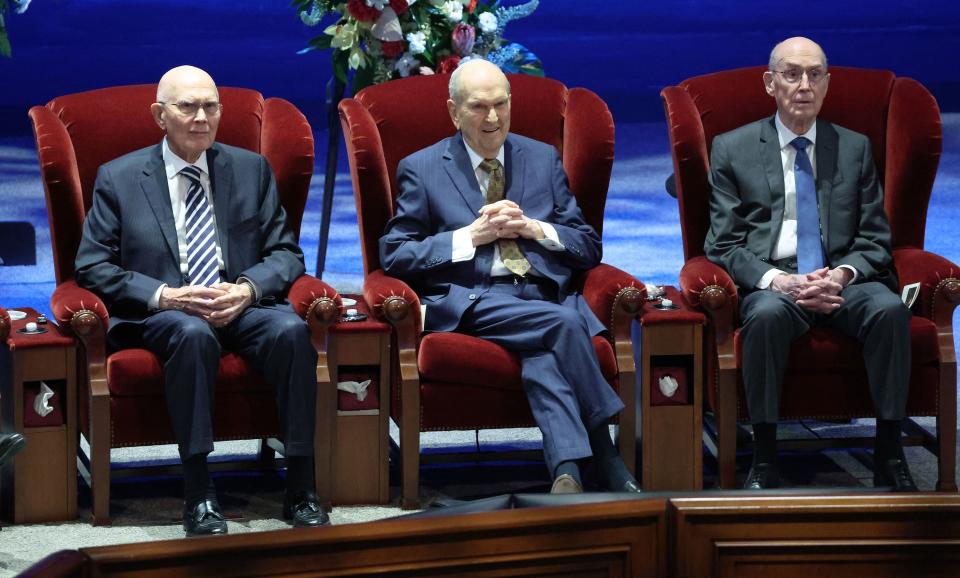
pixel 797 220
pixel 188 246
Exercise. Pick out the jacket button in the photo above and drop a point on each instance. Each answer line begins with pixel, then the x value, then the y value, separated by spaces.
pixel 472 296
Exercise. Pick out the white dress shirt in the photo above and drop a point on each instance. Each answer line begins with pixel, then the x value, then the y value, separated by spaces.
pixel 178 185
pixel 463 249
pixel 787 241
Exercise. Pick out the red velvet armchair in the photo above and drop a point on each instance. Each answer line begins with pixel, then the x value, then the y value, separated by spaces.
pixel 450 381
pixel 826 378
pixel 121 395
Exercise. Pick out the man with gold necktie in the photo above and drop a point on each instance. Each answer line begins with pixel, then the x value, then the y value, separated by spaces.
pixel 489 235
pixel 797 220
pixel 189 247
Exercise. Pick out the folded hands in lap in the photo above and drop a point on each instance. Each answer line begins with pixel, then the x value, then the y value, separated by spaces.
pixel 218 304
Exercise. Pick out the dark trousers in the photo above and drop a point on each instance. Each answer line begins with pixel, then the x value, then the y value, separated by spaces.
pixel 561 376
pixel 871 313
pixel 273 339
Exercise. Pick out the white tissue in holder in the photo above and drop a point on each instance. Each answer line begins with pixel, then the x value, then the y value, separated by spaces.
pixel 41 403
pixel 668 385
pixel 358 388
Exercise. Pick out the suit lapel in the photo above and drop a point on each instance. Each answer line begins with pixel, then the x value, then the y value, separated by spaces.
pixel 513 166
pixel 773 169
pixel 456 162
pixel 221 180
pixel 153 183
pixel 826 159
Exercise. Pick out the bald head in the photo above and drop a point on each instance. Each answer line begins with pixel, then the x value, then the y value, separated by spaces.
pixel 472 72
pixel 796 45
pixel 182 76
pixel 188 109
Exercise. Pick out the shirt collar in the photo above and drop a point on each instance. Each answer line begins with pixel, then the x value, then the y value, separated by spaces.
pixel 476 159
pixel 174 164
pixel 786 135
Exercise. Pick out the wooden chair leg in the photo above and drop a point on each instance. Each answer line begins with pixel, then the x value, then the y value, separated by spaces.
pixel 947 429
pixel 100 461
pixel 410 446
pixel 727 430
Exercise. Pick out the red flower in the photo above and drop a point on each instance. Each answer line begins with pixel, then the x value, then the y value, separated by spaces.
pixel 392 49
pixel 472 6
pixel 359 10
pixel 448 64
pixel 400 6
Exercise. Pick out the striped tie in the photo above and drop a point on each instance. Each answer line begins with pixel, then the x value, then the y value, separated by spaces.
pixel 202 264
pixel 510 252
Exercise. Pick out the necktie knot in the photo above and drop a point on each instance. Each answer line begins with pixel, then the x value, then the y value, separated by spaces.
pixel 192 173
pixel 490 165
pixel 800 143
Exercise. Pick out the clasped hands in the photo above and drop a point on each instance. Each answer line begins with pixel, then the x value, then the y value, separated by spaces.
pixel 818 291
pixel 218 304
pixel 503 219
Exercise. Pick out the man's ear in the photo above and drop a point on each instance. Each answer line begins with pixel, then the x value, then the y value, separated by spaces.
pixel 452 109
pixel 768 82
pixel 156 110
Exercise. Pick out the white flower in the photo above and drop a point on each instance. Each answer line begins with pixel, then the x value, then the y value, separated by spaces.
pixel 453 10
pixel 378 4
pixel 418 42
pixel 488 22
pixel 406 63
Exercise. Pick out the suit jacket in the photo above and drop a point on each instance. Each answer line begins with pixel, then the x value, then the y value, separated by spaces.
pixel 746 207
pixel 129 245
pixel 439 194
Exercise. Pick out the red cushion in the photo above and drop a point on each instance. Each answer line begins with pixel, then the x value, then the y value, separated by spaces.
pixel 137 372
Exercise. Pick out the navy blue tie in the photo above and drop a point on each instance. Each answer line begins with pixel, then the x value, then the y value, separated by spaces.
pixel 809 247
pixel 202 264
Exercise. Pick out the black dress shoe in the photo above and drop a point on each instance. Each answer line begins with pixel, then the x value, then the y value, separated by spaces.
pixel 895 473
pixel 10 444
pixel 204 519
pixel 762 476
pixel 303 508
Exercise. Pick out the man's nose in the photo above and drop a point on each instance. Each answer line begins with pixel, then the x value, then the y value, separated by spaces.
pixel 200 116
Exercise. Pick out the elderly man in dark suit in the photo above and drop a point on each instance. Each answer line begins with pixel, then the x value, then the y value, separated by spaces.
pixel 797 220
pixel 188 246
pixel 490 236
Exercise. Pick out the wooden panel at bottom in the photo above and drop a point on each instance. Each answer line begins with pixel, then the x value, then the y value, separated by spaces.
pixel 357 472
pixel 608 539
pixel 875 558
pixel 42 479
pixel 672 463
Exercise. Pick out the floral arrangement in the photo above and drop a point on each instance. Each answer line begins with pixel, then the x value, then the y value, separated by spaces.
pixel 19 6
pixel 381 40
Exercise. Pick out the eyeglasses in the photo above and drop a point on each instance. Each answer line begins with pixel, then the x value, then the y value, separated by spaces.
pixel 793 75
pixel 188 109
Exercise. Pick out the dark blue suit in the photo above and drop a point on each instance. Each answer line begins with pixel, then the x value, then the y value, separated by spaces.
pixel 129 248
pixel 548 326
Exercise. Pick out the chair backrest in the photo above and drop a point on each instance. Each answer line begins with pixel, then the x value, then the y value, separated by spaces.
pixel 384 123
pixel 899 115
pixel 77 133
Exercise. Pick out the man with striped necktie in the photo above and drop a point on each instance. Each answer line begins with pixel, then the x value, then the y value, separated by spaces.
pixel 187 244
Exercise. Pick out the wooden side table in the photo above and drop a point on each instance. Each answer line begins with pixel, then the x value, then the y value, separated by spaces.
pixel 360 350
pixel 40 484
pixel 671 399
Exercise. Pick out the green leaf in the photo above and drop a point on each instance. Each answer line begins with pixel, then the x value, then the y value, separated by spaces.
pixel 321 42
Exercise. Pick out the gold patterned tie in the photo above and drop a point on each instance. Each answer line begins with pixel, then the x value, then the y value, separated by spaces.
pixel 510 252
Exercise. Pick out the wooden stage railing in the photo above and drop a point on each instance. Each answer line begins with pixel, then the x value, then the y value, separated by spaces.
pixel 722 534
